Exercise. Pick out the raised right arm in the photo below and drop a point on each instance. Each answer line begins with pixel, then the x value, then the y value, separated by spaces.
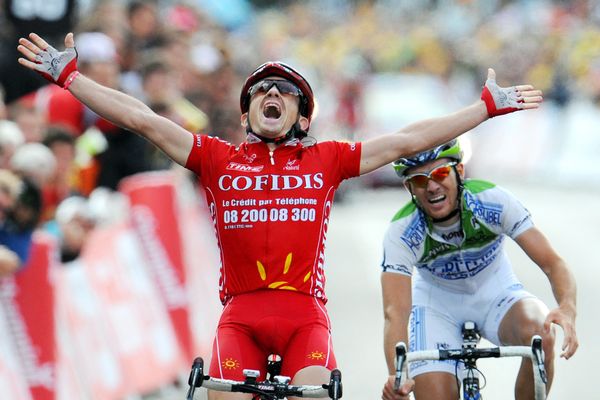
pixel 132 114
pixel 428 133
pixel 117 107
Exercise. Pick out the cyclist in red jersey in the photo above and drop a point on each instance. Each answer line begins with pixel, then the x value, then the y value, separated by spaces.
pixel 270 200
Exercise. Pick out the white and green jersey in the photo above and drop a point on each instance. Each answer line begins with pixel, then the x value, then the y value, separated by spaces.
pixel 464 259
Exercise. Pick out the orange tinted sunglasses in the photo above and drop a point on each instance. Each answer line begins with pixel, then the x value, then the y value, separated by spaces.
pixel 438 174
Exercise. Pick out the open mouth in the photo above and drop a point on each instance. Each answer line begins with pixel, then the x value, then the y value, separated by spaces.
pixel 272 111
pixel 437 199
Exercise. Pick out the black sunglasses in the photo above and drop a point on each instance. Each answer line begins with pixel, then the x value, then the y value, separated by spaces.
pixel 284 87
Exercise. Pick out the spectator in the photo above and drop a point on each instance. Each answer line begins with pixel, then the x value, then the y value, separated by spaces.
pixel 65 180
pixel 10 186
pixel 35 162
pixel 144 24
pixel 20 206
pixel 72 224
pixel 144 33
pixel 159 86
pixel 36 165
pixel 11 137
pixel 28 116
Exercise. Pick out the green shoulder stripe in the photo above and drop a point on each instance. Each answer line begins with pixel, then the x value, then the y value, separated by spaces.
pixel 476 186
pixel 405 211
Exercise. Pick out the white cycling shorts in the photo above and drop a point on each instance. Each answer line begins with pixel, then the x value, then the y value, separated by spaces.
pixel 438 323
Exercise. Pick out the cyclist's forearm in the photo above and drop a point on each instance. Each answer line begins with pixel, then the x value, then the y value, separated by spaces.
pixel 117 107
pixel 420 136
pixel 538 248
pixel 563 286
pixel 423 135
pixel 397 303
pixel 394 331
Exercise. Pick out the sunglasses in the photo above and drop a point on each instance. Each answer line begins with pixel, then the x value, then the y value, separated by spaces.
pixel 284 87
pixel 438 174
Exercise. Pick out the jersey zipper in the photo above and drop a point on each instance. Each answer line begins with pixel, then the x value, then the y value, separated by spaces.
pixel 269 224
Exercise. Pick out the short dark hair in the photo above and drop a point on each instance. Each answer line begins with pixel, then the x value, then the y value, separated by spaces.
pixel 56 134
pixel 136 5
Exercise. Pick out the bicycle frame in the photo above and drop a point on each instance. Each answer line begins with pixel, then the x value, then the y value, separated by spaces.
pixel 469 354
pixel 277 388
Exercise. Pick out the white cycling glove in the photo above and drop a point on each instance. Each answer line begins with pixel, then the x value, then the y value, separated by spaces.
pixel 57 66
pixel 499 100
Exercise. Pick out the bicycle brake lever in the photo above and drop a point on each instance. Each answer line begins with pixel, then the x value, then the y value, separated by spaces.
pixel 400 358
pixel 196 377
pixel 335 385
pixel 538 353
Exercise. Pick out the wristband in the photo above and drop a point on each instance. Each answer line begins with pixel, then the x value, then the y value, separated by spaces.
pixel 70 79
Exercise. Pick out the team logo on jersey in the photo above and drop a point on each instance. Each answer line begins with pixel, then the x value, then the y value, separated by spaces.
pixel 452 235
pixel 270 182
pixel 291 165
pixel 230 363
pixel 284 285
pixel 488 212
pixel 249 158
pixel 233 166
pixel 316 355
pixel 414 234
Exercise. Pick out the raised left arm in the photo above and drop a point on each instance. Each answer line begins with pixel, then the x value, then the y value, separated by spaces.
pixel 426 134
pixel 562 281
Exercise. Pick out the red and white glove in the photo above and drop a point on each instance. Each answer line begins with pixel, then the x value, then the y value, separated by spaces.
pixel 499 100
pixel 57 66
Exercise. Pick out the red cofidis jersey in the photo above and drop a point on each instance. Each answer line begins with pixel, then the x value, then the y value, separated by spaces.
pixel 271 209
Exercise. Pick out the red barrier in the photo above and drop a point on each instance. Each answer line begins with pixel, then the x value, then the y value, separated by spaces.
pixel 115 322
pixel 88 359
pixel 155 218
pixel 202 261
pixel 13 384
pixel 131 320
pixel 28 300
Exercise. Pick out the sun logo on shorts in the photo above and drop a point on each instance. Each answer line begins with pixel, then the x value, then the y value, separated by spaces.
pixel 279 284
pixel 316 355
pixel 230 363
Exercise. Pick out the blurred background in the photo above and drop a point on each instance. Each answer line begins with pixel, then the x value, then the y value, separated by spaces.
pixel 112 270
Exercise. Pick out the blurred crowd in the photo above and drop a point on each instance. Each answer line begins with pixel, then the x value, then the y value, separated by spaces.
pixel 187 60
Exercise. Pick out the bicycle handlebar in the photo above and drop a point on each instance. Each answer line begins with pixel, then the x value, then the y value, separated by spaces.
pixel 275 390
pixel 533 352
